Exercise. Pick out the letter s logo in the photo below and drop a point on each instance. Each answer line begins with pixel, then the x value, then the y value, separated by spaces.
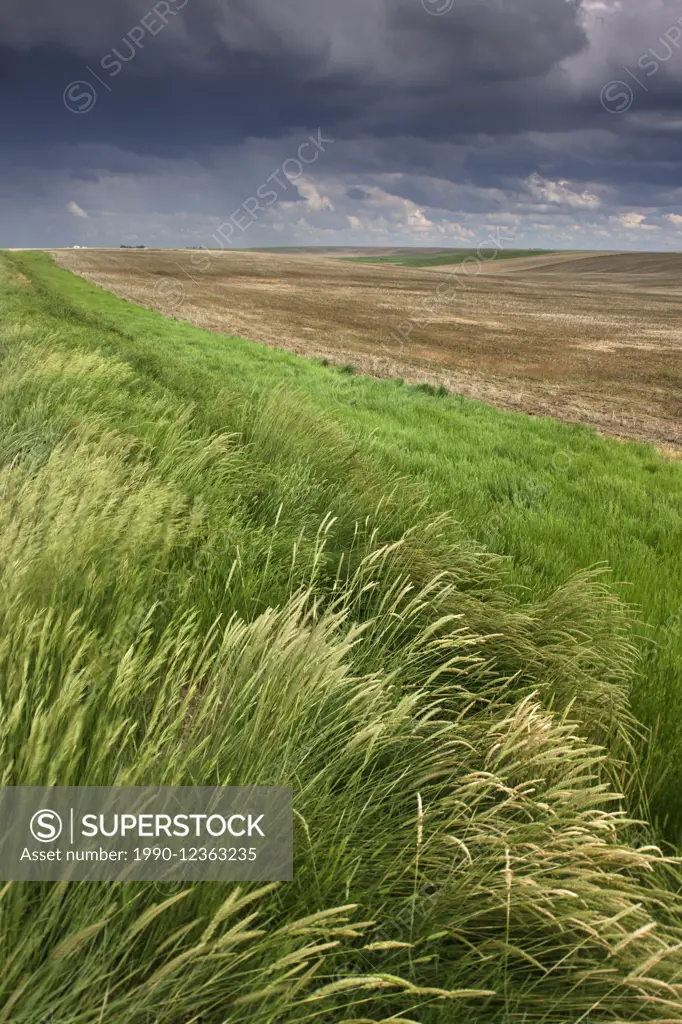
pixel 617 97
pixel 46 826
pixel 80 97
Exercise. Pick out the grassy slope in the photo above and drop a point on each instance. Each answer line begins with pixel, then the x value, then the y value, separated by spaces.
pixel 153 477
pixel 441 259
pixel 556 498
pixel 559 498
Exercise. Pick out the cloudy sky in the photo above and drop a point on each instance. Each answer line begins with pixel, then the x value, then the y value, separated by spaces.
pixel 542 123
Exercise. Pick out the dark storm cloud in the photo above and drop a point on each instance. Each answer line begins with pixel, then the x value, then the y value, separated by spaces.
pixel 452 112
pixel 488 42
pixel 164 113
pixel 219 72
pixel 78 175
pixel 212 73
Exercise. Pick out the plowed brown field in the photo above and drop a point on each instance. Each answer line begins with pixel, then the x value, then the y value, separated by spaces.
pixel 584 337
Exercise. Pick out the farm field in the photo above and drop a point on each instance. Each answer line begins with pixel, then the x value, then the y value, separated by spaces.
pixel 442 259
pixel 583 337
pixel 223 562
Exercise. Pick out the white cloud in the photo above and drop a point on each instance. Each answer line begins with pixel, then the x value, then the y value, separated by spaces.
pixel 315 200
pixel 634 220
pixel 631 220
pixel 674 218
pixel 417 219
pixel 559 192
pixel 75 210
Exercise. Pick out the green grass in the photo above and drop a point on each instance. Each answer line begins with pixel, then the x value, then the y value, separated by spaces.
pixel 223 564
pixel 441 259
pixel 557 499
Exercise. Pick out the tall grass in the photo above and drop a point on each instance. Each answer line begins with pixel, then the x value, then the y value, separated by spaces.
pixel 207 583
pixel 556 499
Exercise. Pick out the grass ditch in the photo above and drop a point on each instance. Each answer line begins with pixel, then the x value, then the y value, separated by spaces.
pixel 219 568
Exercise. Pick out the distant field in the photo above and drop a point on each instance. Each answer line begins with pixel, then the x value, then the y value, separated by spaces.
pixel 443 259
pixel 586 337
pixel 339 251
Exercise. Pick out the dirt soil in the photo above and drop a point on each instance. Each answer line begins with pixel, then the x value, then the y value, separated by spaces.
pixel 585 337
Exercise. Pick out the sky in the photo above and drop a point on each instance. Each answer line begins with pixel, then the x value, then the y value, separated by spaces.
pixel 251 123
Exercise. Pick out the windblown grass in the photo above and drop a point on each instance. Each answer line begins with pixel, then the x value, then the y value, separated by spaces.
pixel 557 499
pixel 208 583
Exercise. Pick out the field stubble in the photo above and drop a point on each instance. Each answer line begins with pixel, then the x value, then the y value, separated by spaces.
pixel 583 337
